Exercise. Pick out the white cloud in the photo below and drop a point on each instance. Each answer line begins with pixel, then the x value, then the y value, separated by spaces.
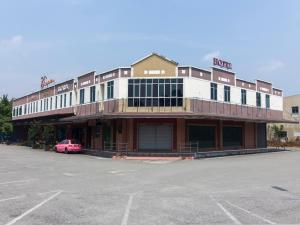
pixel 13 41
pixel 271 66
pixel 209 56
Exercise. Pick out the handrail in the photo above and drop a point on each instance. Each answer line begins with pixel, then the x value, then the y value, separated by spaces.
pixel 189 146
pixel 116 147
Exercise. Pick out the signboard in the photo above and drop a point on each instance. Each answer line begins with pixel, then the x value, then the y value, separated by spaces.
pixel 45 82
pixel 62 88
pixel 222 63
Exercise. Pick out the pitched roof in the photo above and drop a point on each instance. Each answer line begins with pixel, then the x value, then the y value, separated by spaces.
pixel 152 54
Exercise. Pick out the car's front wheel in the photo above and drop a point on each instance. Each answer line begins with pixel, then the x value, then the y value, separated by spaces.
pixel 66 151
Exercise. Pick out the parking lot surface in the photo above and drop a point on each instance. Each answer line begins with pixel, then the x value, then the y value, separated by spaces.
pixel 38 187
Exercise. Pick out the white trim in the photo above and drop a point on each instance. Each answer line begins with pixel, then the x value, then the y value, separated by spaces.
pixel 195 68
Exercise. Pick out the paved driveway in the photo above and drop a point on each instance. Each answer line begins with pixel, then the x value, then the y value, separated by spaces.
pixel 38 187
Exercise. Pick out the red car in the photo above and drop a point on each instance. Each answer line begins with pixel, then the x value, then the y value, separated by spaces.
pixel 67 146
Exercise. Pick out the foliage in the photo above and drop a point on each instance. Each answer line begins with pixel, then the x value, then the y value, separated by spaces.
pixel 48 134
pixel 5 117
pixel 278 131
pixel 34 133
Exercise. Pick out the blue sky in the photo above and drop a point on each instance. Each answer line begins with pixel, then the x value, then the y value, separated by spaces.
pixel 66 38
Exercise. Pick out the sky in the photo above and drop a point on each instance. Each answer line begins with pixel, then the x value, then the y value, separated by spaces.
pixel 63 39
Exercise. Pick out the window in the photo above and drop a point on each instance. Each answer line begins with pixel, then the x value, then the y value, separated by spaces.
pixel 44 104
pixel 213 91
pixel 13 112
pixel 36 107
pixel 81 99
pixel 65 100
pixel 51 103
pixel 41 106
pixel 56 102
pixel 295 110
pixel 258 99
pixel 92 94
pixel 226 93
pixel 110 89
pixel 20 111
pixel 25 109
pixel 155 92
pixel 47 107
pixel 267 101
pixel 70 99
pixel 61 101
pixel 244 97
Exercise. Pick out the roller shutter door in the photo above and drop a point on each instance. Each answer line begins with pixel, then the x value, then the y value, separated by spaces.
pixel 155 137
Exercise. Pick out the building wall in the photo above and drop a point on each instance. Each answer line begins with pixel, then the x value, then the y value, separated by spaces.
pixel 293 130
pixel 154 66
pixel 196 86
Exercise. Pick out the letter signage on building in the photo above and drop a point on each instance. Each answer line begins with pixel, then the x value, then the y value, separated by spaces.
pixel 45 82
pixel 222 64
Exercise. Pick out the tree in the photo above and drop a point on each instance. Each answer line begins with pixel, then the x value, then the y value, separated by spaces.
pixel 48 136
pixel 34 133
pixel 5 117
pixel 278 131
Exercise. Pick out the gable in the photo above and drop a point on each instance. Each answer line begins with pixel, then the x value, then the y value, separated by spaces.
pixel 154 66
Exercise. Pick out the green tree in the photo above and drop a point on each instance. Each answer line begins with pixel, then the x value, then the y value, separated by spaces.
pixel 5 116
pixel 278 131
pixel 34 134
pixel 48 136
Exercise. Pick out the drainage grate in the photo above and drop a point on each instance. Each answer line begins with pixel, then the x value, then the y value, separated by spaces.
pixel 279 188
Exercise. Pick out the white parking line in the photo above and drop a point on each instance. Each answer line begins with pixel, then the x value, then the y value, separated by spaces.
pixel 33 208
pixel 12 198
pixel 16 181
pixel 250 213
pixel 48 192
pixel 127 210
pixel 232 217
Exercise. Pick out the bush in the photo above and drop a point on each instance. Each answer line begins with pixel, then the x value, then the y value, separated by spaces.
pixel 48 136
pixel 34 134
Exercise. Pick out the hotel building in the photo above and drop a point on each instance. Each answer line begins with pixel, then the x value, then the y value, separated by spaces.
pixel 155 105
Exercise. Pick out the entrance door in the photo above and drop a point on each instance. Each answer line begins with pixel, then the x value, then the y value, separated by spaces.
pixel 261 135
pixel 155 138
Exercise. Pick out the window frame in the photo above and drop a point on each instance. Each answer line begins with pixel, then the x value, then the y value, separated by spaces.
pixel 295 108
pixel 81 96
pixel 268 101
pixel 214 91
pixel 227 93
pixel 258 99
pixel 243 96
pixel 110 90
pixel 93 94
pixel 155 92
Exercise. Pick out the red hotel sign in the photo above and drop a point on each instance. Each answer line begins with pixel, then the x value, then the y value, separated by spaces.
pixel 221 63
pixel 45 82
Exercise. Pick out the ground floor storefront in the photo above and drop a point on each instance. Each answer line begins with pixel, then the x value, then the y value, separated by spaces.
pixel 162 134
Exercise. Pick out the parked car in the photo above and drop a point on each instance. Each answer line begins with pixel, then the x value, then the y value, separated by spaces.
pixel 68 145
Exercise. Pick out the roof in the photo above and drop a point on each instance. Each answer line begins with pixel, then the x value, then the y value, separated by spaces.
pixel 187 115
pixel 160 56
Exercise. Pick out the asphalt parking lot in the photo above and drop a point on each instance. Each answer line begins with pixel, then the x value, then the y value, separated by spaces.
pixel 38 187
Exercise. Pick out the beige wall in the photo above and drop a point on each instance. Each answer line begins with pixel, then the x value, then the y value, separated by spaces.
pixel 154 63
pixel 290 128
